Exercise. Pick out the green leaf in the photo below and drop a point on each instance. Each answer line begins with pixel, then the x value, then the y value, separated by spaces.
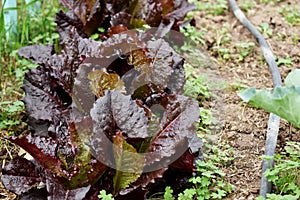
pixel 205 181
pixel 284 101
pixel 129 163
pixel 281 197
pixel 187 194
pixel 196 179
pixel 293 79
pixel 285 61
pixel 209 174
pixel 168 195
pixel 102 195
pixel 220 172
pixel 291 187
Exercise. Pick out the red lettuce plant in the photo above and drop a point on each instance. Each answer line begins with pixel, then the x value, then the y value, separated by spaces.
pixel 87 16
pixel 104 115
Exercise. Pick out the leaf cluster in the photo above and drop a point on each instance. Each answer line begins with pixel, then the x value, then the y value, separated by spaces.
pixel 8 113
pixel 285 175
pixel 90 16
pixel 213 8
pixel 209 182
pixel 105 115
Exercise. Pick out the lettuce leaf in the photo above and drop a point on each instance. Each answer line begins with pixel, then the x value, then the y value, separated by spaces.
pixel 99 109
pixel 88 16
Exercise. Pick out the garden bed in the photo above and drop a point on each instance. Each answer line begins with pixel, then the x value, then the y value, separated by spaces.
pixel 237 62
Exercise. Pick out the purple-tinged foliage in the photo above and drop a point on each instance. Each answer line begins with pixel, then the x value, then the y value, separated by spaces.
pixel 20 175
pixel 106 115
pixel 87 16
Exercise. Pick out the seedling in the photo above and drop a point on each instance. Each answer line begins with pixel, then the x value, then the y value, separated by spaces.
pixel 264 28
pixel 103 196
pixel 196 85
pixel 285 61
pixel 285 175
pixel 214 8
pixel 223 36
pixel 244 49
pixel 247 5
pixel 296 38
pixel 9 112
pixel 193 37
pixel 97 36
pixel 222 52
pixel 268 1
pixel 291 14
pixel 209 182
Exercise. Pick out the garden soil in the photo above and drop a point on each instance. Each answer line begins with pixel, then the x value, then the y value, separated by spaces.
pixel 240 125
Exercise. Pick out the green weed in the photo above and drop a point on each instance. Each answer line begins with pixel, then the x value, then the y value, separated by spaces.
pixel 268 1
pixel 102 195
pixel 196 85
pixel 96 36
pixel 238 85
pixel 285 175
pixel 291 14
pixel 222 52
pixel 37 28
pixel 264 28
pixel 244 49
pixel 9 112
pixel 193 37
pixel 217 7
pixel 209 182
pixel 168 195
pixel 223 36
pixel 31 28
pixel 287 61
pixel 296 38
pixel 246 5
pixel 206 119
